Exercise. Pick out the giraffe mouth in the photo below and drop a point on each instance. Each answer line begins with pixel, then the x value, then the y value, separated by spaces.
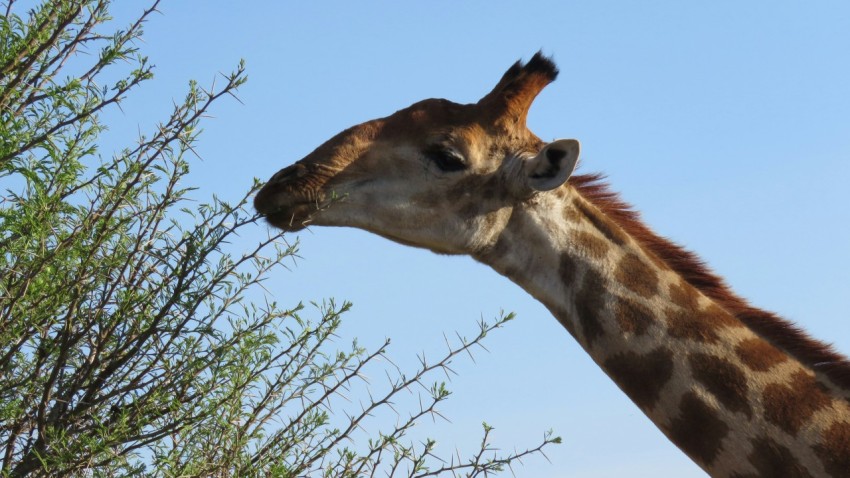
pixel 282 208
pixel 293 214
pixel 293 196
pixel 292 217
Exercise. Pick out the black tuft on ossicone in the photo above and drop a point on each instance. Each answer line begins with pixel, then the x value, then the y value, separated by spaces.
pixel 539 64
pixel 512 96
pixel 542 64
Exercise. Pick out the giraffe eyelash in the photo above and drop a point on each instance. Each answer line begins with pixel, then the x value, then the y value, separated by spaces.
pixel 447 160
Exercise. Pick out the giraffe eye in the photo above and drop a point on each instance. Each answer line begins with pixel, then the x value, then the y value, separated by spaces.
pixel 446 159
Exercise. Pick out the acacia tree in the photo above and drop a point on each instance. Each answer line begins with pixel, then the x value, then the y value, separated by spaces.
pixel 128 343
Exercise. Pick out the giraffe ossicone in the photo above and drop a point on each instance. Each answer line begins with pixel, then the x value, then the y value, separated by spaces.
pixel 739 390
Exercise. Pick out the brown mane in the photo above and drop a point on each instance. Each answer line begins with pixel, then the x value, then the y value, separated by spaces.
pixel 778 331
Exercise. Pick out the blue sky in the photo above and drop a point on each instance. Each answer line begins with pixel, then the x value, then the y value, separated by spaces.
pixel 727 124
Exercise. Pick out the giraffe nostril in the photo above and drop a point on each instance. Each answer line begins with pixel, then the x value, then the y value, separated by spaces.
pixel 294 171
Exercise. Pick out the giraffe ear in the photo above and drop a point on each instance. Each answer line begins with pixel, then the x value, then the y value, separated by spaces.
pixel 553 165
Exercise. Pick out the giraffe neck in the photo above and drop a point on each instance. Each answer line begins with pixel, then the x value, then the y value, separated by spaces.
pixel 732 401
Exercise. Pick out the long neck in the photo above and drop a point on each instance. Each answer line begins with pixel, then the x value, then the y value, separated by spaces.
pixel 732 401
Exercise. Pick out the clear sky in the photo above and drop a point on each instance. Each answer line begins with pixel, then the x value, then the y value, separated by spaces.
pixel 727 124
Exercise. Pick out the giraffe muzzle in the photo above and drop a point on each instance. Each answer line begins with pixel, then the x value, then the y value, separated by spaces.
pixel 293 195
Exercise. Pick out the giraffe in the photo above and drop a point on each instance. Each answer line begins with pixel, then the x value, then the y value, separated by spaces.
pixel 739 390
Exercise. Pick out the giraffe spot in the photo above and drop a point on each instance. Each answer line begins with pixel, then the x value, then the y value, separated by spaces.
pixel 572 214
pixel 682 324
pixel 659 262
pixel 590 244
pixel 563 316
pixel 633 317
pixel 606 226
pixel 567 269
pixel 834 449
pixel 723 379
pixel 718 317
pixel 772 459
pixel 641 377
pixel 698 431
pixel 637 276
pixel 684 295
pixel 589 304
pixel 788 406
pixel 759 355
pixel 700 325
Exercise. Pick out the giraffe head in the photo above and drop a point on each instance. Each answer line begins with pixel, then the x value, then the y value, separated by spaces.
pixel 437 174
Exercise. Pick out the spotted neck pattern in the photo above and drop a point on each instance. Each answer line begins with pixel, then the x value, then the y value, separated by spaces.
pixel 731 399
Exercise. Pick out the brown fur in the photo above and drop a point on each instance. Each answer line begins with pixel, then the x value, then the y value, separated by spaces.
pixel 790 405
pixel 589 304
pixel 641 376
pixel 759 355
pixel 593 246
pixel 700 325
pixel 723 379
pixel 833 449
pixel 510 99
pixel 637 276
pixel 684 296
pixel 694 415
pixel 774 460
pixel 779 332
pixel 633 317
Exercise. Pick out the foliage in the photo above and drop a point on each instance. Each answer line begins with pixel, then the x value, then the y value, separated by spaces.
pixel 131 339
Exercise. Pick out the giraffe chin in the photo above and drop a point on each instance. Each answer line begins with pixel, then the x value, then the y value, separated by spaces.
pixel 288 219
